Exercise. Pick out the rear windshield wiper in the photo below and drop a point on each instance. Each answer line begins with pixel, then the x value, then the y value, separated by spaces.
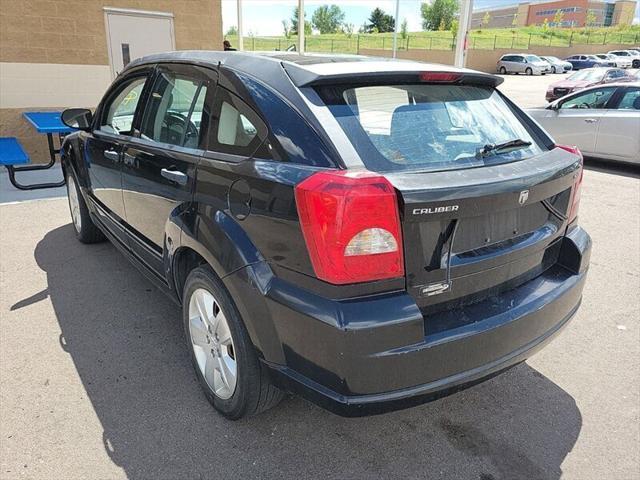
pixel 500 147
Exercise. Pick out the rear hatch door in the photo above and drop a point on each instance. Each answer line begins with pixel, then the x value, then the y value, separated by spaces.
pixel 472 233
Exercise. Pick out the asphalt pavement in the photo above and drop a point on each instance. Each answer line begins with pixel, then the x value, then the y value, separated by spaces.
pixel 96 383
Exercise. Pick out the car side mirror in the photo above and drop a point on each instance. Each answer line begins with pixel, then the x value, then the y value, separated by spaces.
pixel 553 106
pixel 77 118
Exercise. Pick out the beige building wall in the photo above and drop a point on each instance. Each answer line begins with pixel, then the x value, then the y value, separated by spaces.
pixel 523 14
pixel 54 55
pixel 498 18
pixel 623 12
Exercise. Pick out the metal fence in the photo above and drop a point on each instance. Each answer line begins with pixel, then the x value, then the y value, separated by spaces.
pixel 443 41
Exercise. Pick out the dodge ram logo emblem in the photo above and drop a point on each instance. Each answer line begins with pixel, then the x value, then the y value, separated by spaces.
pixel 524 195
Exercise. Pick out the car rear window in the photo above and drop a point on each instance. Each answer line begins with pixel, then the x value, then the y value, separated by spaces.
pixel 427 127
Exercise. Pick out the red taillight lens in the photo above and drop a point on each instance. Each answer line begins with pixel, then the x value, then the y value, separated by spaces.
pixel 351 225
pixel 577 186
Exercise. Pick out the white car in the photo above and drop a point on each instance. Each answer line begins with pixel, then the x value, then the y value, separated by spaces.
pixel 631 55
pixel 603 121
pixel 621 62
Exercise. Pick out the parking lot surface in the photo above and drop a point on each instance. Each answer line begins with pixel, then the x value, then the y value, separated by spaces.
pixel 96 382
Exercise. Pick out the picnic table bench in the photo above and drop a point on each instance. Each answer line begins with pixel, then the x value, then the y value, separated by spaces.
pixel 15 159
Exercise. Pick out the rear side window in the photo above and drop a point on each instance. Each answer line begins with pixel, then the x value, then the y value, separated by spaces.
pixel 630 100
pixel 428 127
pixel 237 129
pixel 174 112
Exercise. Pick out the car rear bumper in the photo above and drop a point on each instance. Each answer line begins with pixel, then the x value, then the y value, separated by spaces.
pixel 370 355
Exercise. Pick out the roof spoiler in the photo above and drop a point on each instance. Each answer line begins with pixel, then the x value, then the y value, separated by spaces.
pixel 305 78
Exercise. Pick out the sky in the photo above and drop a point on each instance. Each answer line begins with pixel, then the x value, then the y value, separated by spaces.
pixel 264 17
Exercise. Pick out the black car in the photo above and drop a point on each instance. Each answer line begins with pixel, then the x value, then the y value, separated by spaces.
pixel 368 234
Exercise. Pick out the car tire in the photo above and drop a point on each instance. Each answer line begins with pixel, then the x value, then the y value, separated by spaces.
pixel 528 71
pixel 553 70
pixel 86 230
pixel 503 71
pixel 220 348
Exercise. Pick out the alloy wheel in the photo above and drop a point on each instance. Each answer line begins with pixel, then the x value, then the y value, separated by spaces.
pixel 74 203
pixel 212 343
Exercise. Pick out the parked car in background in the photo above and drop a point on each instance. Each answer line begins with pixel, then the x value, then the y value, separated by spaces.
pixel 368 234
pixel 635 73
pixel 631 55
pixel 588 61
pixel 522 63
pixel 603 121
pixel 585 78
pixel 620 62
pixel 557 65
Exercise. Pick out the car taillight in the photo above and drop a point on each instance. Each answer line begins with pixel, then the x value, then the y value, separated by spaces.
pixel 439 77
pixel 351 226
pixel 577 185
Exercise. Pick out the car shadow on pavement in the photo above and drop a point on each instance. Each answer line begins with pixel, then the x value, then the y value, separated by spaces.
pixel 126 341
pixel 614 168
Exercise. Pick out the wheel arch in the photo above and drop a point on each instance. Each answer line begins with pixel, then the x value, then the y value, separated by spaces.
pixel 213 238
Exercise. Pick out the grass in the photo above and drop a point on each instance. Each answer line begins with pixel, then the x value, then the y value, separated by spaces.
pixel 486 39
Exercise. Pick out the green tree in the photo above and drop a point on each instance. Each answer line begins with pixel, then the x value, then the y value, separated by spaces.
pixel 514 22
pixel 348 29
pixel 294 23
pixel 233 31
pixel 286 29
pixel 404 28
pixel 439 12
pixel 454 27
pixel 557 18
pixel 545 26
pixel 380 22
pixel 591 19
pixel 327 18
pixel 486 19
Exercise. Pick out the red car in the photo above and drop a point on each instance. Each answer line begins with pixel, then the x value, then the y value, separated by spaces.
pixel 585 78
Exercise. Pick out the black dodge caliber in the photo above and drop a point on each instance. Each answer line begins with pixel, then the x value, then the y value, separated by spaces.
pixel 368 234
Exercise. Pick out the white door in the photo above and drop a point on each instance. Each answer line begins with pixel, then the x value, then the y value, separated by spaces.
pixel 619 132
pixel 577 120
pixel 133 34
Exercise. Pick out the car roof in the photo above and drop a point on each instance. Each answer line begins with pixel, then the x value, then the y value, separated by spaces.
pixel 305 69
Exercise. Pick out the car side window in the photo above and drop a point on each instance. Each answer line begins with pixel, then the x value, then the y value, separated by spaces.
pixel 121 108
pixel 593 99
pixel 237 129
pixel 630 100
pixel 175 109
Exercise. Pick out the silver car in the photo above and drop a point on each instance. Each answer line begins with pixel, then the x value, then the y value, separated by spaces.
pixel 557 65
pixel 603 121
pixel 522 63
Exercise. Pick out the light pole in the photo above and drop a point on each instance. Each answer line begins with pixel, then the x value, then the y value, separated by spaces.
pixel 301 27
pixel 466 10
pixel 240 42
pixel 395 30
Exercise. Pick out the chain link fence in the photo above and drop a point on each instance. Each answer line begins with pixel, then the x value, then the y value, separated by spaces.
pixel 441 41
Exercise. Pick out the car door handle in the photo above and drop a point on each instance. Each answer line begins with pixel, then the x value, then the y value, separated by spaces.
pixel 591 120
pixel 129 160
pixel 112 155
pixel 175 176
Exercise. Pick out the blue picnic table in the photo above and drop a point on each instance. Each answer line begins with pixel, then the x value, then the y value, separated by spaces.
pixel 12 153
